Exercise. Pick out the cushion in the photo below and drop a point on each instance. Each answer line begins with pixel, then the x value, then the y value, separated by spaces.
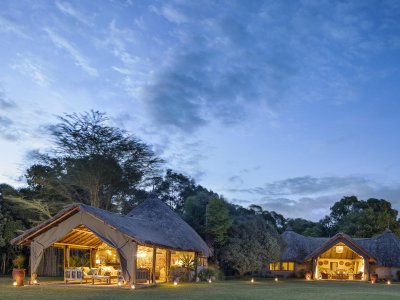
pixel 93 271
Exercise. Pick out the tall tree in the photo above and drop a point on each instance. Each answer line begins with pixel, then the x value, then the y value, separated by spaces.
pixel 361 218
pixel 218 222
pixel 92 162
pixel 252 244
pixel 174 188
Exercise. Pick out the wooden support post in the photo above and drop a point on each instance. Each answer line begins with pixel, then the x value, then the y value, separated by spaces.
pixel 153 267
pixel 168 262
pixel 366 269
pixel 134 267
pixel 66 260
pixel 93 252
pixel 196 262
pixel 314 268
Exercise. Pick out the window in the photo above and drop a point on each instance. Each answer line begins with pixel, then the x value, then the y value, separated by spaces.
pixel 282 266
pixel 339 249
pixel 274 266
pixel 287 266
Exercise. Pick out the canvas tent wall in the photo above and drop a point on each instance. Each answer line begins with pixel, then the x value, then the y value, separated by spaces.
pixel 152 223
pixel 125 245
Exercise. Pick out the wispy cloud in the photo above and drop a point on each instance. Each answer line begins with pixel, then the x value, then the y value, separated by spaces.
pixel 117 39
pixel 7 130
pixel 68 9
pixel 311 197
pixel 7 24
pixel 307 185
pixel 69 47
pixel 28 68
pixel 5 103
pixel 172 14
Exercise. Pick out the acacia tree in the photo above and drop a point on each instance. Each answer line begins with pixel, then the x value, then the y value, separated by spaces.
pixel 361 218
pixel 174 188
pixel 92 162
pixel 252 243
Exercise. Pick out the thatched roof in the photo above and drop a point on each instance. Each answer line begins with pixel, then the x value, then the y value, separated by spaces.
pixel 343 239
pixel 164 225
pixel 151 223
pixel 298 247
pixel 384 248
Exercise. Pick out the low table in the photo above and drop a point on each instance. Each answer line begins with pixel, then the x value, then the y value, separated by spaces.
pixel 102 277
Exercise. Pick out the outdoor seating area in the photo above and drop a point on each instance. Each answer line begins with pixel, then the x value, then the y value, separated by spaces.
pixel 85 274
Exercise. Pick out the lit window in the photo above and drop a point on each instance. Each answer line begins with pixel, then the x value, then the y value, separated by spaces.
pixel 339 249
pixel 288 266
pixel 274 266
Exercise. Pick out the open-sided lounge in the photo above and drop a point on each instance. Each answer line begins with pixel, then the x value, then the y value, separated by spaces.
pixel 139 247
pixel 339 257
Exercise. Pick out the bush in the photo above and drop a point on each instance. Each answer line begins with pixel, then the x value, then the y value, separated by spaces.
pixel 19 262
pixel 178 272
pixel 301 274
pixel 207 273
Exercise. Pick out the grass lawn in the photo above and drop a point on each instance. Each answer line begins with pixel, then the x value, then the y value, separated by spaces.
pixel 233 289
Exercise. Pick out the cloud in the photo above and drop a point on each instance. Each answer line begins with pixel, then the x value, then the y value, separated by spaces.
pixel 5 103
pixel 235 179
pixel 117 39
pixel 32 70
pixel 79 59
pixel 311 198
pixel 172 14
pixel 7 24
pixel 229 67
pixel 7 130
pixel 68 9
pixel 308 185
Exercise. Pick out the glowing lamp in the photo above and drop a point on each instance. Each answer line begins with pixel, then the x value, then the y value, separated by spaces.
pixel 35 281
pixel 141 254
pixel 389 282
pixel 14 283
pixel 252 280
pixel 175 283
pixel 133 287
pixel 98 261
pixel 339 249
pixel 276 279
pixel 209 280
pixel 119 283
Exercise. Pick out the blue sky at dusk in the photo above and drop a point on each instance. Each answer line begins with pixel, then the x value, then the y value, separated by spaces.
pixel 286 104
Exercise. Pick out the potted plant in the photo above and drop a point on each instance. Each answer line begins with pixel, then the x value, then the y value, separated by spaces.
pixel 18 273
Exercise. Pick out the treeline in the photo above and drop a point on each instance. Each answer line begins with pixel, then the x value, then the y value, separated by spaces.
pixel 97 164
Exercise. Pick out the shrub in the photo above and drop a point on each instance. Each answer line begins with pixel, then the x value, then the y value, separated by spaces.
pixel 19 262
pixel 207 273
pixel 301 274
pixel 178 272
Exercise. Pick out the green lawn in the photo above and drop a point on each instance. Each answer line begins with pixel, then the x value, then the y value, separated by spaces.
pixel 235 289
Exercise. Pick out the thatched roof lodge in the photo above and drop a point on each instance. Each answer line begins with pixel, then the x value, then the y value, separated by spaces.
pixel 143 244
pixel 339 257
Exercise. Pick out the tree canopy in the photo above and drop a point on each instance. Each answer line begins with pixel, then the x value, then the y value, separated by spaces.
pixel 92 162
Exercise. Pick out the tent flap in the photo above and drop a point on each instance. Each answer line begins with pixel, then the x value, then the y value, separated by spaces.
pixel 124 245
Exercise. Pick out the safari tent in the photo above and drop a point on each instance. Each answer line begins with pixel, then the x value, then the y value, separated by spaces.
pixel 143 245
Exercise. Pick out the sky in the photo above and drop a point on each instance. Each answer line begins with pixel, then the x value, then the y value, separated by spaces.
pixel 290 105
